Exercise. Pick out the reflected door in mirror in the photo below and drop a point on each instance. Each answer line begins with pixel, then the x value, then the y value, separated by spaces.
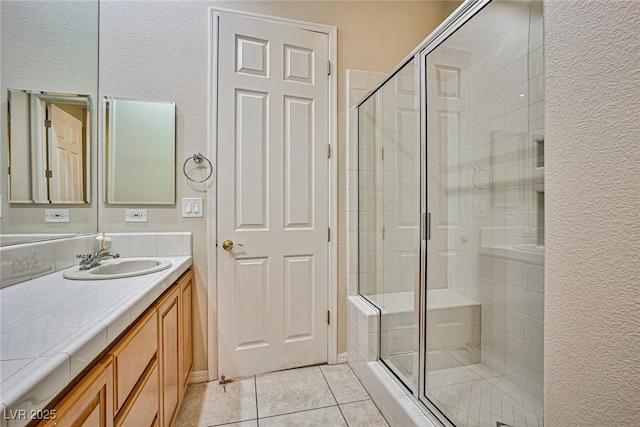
pixel 48 147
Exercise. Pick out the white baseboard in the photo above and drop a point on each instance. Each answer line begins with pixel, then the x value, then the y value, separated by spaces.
pixel 341 358
pixel 198 377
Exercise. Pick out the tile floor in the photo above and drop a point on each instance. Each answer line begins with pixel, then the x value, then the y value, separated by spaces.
pixel 328 395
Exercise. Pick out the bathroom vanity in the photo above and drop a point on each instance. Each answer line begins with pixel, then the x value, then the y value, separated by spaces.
pixel 126 361
pixel 141 379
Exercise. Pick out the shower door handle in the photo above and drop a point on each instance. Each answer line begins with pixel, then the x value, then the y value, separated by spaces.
pixel 426 225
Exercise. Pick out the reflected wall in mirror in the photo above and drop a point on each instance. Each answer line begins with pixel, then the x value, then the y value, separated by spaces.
pixel 48 147
pixel 139 151
pixel 50 47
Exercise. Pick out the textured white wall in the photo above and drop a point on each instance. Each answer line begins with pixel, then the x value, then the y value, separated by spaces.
pixel 592 335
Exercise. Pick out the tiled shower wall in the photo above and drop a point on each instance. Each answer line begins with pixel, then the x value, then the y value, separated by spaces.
pixel 358 84
pixel 389 182
pixel 495 194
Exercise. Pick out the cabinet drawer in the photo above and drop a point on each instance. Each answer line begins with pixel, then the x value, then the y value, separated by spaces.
pixel 89 404
pixel 142 408
pixel 133 354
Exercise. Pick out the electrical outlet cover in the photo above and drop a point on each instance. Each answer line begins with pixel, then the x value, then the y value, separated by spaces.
pixel 56 215
pixel 135 215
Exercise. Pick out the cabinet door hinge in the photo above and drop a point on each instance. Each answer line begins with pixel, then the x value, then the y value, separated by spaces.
pixel 382 153
pixel 8 170
pixel 328 68
pixel 328 234
pixel 328 317
pixel 328 151
pixel 47 123
pixel 48 173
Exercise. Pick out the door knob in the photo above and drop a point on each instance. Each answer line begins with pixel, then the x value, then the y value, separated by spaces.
pixel 228 244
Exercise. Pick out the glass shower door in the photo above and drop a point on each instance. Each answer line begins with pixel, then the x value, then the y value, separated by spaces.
pixel 389 220
pixel 485 194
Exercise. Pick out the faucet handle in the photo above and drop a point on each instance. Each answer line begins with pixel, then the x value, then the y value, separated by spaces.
pixel 82 255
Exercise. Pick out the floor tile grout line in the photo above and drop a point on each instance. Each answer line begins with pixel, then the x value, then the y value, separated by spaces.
pixel 255 389
pixel 334 396
pixel 297 412
pixel 368 394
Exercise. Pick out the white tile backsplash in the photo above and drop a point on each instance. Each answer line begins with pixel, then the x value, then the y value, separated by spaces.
pixel 27 261
pixel 143 244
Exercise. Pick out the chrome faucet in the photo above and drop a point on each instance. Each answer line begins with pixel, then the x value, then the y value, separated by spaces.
pixel 92 260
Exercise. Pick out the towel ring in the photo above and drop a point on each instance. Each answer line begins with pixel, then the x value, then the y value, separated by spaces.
pixel 197 159
pixel 477 170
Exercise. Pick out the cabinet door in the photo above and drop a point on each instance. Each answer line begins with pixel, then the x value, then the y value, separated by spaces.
pixel 169 355
pixel 90 403
pixel 186 298
pixel 132 355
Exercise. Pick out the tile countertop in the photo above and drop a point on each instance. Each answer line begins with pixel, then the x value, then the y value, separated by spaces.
pixel 52 328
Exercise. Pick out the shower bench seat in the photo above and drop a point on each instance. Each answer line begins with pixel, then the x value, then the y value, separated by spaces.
pixel 453 319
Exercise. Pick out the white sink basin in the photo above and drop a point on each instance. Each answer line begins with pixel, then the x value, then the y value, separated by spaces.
pixel 118 268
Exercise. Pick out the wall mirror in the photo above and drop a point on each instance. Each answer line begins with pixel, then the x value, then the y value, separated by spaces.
pixel 48 50
pixel 48 147
pixel 139 151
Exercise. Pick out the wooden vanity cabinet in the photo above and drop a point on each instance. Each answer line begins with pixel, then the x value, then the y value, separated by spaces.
pixel 90 403
pixel 186 344
pixel 169 357
pixel 143 377
pixel 175 356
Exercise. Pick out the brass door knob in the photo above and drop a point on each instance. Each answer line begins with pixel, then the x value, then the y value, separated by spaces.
pixel 228 244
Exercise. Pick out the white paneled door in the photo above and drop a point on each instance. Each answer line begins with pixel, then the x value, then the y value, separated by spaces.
pixel 272 208
pixel 66 157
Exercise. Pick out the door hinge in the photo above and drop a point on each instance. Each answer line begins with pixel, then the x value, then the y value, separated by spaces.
pixel 383 154
pixel 328 68
pixel 328 151
pixel 328 234
pixel 328 317
pixel 8 170
pixel 48 173
pixel 384 229
pixel 47 123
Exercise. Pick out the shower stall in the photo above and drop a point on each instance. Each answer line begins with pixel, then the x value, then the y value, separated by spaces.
pixel 451 216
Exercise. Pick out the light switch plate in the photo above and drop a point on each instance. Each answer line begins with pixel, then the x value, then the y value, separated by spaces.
pixel 135 215
pixel 479 208
pixel 192 207
pixel 56 215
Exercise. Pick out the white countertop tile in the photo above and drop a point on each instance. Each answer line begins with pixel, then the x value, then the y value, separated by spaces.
pixel 52 328
pixel 10 367
pixel 59 318
pixel 23 344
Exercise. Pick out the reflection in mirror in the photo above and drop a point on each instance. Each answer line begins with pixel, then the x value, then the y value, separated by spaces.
pixel 48 48
pixel 48 147
pixel 139 151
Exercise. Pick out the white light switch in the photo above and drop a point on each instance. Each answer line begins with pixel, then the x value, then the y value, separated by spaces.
pixel 191 207
pixel 56 215
pixel 135 215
